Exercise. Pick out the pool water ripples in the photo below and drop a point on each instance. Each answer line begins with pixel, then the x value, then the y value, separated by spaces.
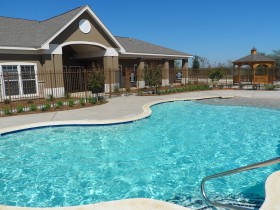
pixel 163 157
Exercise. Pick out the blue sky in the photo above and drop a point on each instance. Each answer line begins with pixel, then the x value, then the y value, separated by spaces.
pixel 219 30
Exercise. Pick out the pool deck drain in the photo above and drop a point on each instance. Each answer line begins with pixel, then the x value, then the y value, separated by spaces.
pixel 129 109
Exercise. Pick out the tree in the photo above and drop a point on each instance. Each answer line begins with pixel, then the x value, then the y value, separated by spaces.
pixel 96 82
pixel 204 62
pixel 275 55
pixel 195 64
pixel 216 74
pixel 153 76
pixel 177 64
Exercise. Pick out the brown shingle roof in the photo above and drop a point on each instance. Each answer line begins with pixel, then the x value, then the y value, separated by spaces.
pixel 253 58
pixel 16 32
pixel 138 46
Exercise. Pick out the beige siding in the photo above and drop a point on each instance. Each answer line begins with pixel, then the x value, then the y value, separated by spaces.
pixel 37 59
pixel 73 33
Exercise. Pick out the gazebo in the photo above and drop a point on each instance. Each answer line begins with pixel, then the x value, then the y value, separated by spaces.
pixel 254 60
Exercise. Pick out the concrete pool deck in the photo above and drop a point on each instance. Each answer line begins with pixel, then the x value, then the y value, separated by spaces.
pixel 130 108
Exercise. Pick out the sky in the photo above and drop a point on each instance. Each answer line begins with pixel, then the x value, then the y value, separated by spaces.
pixel 219 30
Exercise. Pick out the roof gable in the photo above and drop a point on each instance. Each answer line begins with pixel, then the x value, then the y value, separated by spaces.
pixel 50 27
pixel 34 34
pixel 78 14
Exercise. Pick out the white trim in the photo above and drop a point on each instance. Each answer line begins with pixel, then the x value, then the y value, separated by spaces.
pixel 165 82
pixel 94 16
pixel 111 52
pixel 57 49
pixel 57 92
pixel 140 84
pixel 85 26
pixel 155 55
pixel 18 48
pixel 54 49
pixel 83 42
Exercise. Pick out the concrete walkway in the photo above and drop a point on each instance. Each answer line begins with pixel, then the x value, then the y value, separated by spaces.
pixel 127 106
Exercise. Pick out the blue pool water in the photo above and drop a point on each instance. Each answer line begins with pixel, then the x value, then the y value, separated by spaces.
pixel 164 157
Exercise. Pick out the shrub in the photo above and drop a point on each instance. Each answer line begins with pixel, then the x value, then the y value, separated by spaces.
pixel 140 93
pixel 101 99
pixel 96 82
pixel 215 75
pixel 127 89
pixel 33 108
pixel 58 104
pixel 48 106
pixel 71 103
pixel 160 92
pixel 270 86
pixel 153 76
pixel 44 108
pixel 117 90
pixel 92 100
pixel 19 109
pixel 7 111
pixel 82 101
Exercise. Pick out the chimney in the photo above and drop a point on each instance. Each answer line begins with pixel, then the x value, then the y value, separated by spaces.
pixel 253 51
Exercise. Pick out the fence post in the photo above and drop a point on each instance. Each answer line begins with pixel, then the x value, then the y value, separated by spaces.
pixel 51 96
pixel 137 76
pixel 226 76
pixel 208 76
pixel 85 81
pixel 186 77
pixel 126 80
pixel 10 98
pixel 110 83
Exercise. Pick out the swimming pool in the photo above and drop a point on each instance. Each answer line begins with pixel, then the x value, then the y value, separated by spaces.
pixel 164 157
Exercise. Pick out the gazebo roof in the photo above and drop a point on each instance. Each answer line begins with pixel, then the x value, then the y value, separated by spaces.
pixel 253 58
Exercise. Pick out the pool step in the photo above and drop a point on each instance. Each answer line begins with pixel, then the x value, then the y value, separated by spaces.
pixel 254 202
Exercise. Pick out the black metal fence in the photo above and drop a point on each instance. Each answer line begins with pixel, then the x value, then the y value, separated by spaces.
pixel 29 90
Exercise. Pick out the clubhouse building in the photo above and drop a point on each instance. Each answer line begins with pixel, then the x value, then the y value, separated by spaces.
pixel 73 41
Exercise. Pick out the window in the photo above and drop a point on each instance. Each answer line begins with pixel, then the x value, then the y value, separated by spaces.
pixel 18 79
pixel 28 80
pixel 11 81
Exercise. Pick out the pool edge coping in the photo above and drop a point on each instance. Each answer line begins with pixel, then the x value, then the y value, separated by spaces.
pixel 125 204
pixel 146 113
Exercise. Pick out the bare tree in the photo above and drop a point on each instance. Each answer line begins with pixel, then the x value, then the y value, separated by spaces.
pixel 205 63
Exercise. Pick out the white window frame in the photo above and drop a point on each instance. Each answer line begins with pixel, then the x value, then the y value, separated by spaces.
pixel 18 64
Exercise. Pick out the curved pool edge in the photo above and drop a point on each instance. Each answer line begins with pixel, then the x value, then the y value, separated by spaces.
pixel 272 191
pixel 127 204
pixel 146 113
